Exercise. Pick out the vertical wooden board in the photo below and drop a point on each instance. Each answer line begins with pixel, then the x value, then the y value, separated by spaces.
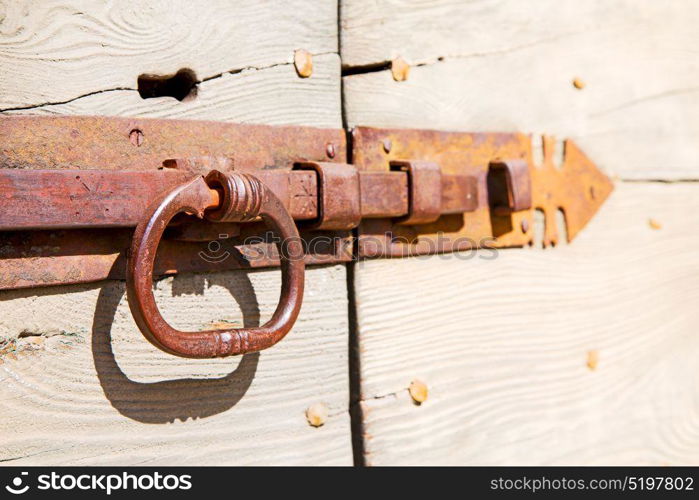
pixel 510 66
pixel 504 344
pixel 79 385
pixel 582 354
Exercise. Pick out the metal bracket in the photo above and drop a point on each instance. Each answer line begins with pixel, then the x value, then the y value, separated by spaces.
pixel 339 202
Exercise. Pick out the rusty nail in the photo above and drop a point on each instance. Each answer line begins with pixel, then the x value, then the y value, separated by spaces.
pixel 317 414
pixel 387 145
pixel 592 359
pixel 654 224
pixel 418 391
pixel 330 150
pixel 303 62
pixel 400 69
pixel 525 225
pixel 578 83
pixel 136 137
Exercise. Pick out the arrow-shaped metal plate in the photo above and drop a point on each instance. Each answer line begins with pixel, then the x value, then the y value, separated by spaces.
pixel 576 187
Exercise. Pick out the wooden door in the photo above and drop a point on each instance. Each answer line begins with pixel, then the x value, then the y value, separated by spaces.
pixel 580 354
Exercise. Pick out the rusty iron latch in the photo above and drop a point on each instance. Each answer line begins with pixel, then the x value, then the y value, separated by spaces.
pixel 90 198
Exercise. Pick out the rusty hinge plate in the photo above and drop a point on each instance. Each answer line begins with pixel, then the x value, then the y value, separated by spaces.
pixel 73 188
pixel 576 187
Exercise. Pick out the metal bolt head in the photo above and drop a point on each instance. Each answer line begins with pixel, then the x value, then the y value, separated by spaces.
pixel 317 414
pixel 136 137
pixel 525 225
pixel 303 62
pixel 400 69
pixel 330 150
pixel 418 391
pixel 387 145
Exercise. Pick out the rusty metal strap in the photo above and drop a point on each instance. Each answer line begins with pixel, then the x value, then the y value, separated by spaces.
pixel 65 199
pixel 73 188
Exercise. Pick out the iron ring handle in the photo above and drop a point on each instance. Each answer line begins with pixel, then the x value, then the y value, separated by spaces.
pixel 234 197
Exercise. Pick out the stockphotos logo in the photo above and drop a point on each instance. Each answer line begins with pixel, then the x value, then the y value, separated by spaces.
pixel 107 483
pixel 16 488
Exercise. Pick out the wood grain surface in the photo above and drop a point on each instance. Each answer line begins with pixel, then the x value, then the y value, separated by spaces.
pixel 508 65
pixel 581 354
pixel 80 385
pixel 62 50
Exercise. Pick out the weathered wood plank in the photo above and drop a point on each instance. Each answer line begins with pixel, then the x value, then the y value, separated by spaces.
pixel 509 65
pixel 58 51
pixel 507 346
pixel 79 385
pixel 84 387
pixel 422 31
pixel 504 344
pixel 274 96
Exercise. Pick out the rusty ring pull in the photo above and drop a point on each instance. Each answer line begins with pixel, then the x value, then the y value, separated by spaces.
pixel 234 197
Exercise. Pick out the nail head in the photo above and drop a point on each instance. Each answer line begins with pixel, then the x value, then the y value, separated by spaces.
pixel 525 225
pixel 317 414
pixel 387 145
pixel 303 62
pixel 400 69
pixel 418 391
pixel 136 137
pixel 592 359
